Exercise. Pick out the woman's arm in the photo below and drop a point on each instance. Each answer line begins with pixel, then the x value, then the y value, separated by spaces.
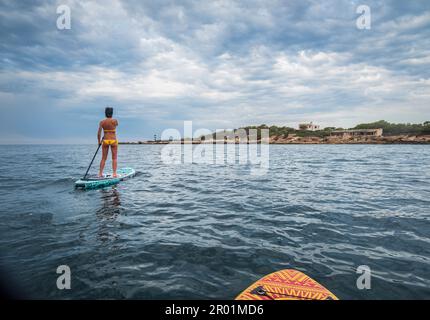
pixel 99 133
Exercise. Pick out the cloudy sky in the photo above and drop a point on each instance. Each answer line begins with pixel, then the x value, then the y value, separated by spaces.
pixel 221 64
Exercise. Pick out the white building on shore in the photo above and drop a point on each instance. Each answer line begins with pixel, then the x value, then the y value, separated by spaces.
pixel 309 126
pixel 357 133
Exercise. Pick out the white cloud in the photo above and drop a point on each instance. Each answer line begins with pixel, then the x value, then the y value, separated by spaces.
pixel 227 63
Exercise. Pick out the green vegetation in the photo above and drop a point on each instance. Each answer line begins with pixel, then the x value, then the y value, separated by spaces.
pixel 276 131
pixel 392 129
pixel 389 129
pixel 318 133
pixel 273 130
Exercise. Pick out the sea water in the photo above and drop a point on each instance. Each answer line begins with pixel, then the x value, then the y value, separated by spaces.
pixel 206 231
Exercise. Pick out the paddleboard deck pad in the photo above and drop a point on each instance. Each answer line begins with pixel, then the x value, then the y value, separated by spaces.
pixel 286 284
pixel 93 182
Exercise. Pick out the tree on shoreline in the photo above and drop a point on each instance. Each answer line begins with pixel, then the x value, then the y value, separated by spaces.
pixel 392 129
pixel 389 129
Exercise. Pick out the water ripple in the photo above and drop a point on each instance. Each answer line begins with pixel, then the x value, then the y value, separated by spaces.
pixel 208 231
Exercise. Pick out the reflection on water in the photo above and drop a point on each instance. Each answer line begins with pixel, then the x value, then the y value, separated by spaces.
pixel 108 212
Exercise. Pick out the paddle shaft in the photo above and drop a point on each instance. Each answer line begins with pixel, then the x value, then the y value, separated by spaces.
pixel 92 161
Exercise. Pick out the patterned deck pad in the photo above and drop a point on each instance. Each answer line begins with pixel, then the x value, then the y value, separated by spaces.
pixel 286 284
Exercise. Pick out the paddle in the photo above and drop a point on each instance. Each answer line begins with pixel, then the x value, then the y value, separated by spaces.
pixel 92 162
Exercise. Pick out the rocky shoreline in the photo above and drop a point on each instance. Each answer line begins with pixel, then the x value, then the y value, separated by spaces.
pixel 293 139
pixel 401 139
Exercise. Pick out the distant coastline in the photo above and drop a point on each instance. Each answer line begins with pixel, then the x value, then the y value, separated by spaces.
pixel 379 132
pixel 402 139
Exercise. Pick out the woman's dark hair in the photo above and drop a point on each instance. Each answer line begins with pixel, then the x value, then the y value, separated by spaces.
pixel 109 112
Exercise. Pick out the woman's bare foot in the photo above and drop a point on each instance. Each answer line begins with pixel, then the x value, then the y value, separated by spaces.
pixel 115 175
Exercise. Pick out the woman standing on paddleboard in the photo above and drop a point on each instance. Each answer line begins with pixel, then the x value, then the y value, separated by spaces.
pixel 108 126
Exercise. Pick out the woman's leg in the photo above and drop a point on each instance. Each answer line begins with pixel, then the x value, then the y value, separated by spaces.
pixel 105 150
pixel 114 150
